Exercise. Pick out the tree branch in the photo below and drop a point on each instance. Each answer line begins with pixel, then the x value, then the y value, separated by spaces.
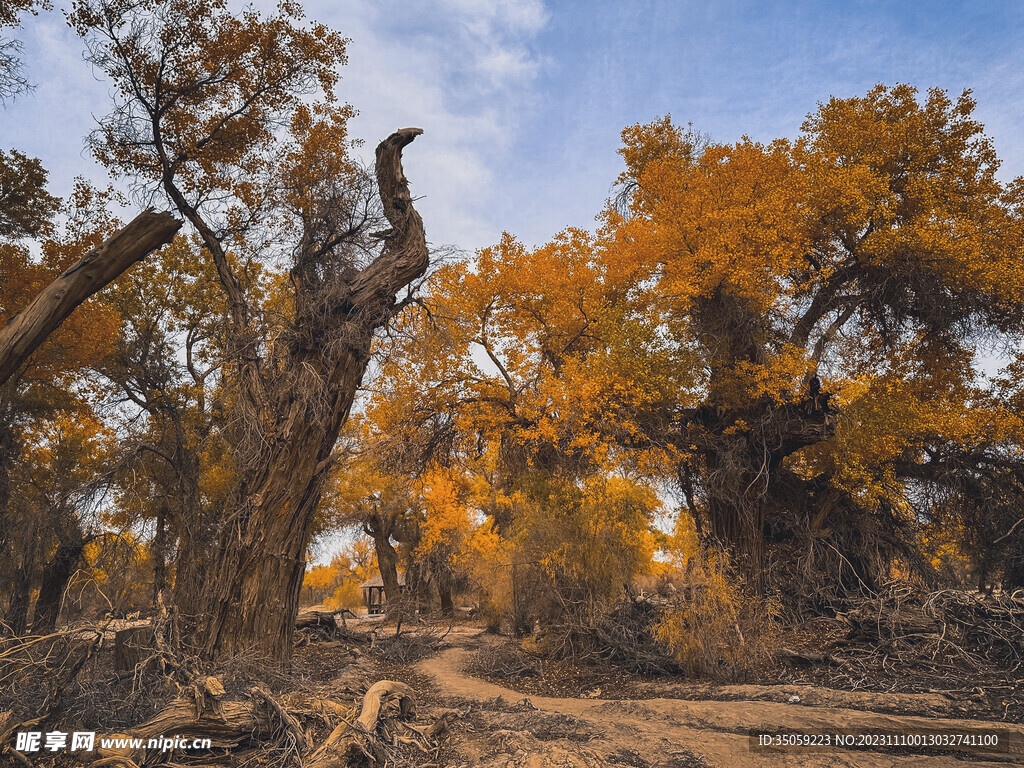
pixel 29 328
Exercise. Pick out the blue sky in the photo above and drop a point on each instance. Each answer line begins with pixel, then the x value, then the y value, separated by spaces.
pixel 522 101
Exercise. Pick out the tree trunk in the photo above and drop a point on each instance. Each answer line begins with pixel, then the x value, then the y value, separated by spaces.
pixel 387 557
pixel 387 561
pixel 417 585
pixel 1013 571
pixel 56 575
pixel 197 536
pixel 16 617
pixel 737 496
pixel 447 604
pixel 256 579
pixel 29 328
pixel 160 555
pixel 744 449
pixel 444 591
pixel 132 646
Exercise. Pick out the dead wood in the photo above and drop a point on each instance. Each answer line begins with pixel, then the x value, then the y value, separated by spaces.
pixel 506 663
pixel 877 623
pixel 132 646
pixel 290 724
pixel 407 646
pixel 947 631
pixel 319 623
pixel 8 725
pixel 204 712
pixel 624 636
pixel 811 657
pixel 29 328
pixel 369 740
pixel 358 743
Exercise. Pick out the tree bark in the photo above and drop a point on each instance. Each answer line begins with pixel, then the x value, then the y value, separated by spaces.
pixel 29 328
pixel 256 579
pixel 160 556
pixel 744 449
pixel 133 645
pixel 387 557
pixel 16 618
pixel 444 591
pixel 56 575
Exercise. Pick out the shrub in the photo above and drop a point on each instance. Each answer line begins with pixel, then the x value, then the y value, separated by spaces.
pixel 714 626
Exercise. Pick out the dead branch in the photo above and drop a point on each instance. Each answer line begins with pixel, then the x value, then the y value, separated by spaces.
pixel 29 328
pixel 290 724
pixel 811 657
pixel 358 743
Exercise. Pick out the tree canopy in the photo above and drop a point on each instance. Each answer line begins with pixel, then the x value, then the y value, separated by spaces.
pixel 787 334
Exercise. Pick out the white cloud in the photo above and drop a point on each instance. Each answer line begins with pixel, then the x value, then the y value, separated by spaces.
pixel 462 70
pixel 526 17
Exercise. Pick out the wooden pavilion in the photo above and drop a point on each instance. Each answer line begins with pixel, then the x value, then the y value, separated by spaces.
pixel 373 593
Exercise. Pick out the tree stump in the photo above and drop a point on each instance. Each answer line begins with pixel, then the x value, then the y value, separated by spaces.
pixel 133 645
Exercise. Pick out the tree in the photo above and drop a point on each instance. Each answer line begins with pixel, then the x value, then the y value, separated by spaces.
pixel 26 208
pixel 380 504
pixel 176 462
pixel 65 462
pixel 210 112
pixel 27 211
pixel 52 444
pixel 806 275
pixel 12 81
pixel 515 397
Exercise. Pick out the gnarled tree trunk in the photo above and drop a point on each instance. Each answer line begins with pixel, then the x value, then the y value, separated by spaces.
pixel 744 450
pixel 256 578
pixel 387 558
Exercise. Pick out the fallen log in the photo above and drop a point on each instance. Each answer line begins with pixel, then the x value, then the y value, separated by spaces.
pixel 880 623
pixel 369 741
pixel 319 621
pixel 811 657
pixel 205 713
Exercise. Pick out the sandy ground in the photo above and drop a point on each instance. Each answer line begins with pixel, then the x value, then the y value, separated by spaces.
pixel 502 729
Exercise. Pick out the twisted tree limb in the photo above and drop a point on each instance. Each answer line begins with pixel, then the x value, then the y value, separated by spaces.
pixel 354 744
pixel 29 328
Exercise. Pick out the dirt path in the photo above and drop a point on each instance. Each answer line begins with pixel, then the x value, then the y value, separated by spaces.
pixel 511 731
